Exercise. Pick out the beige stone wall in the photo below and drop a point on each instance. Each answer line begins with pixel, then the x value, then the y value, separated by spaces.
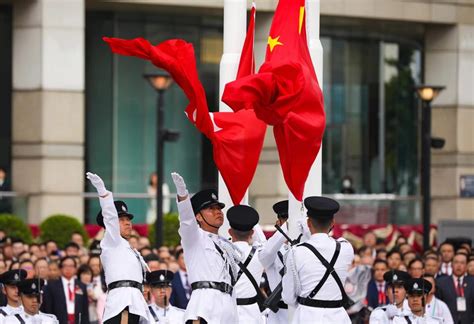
pixel 48 106
pixel 450 62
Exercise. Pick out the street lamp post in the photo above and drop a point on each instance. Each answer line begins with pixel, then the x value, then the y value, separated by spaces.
pixel 426 93
pixel 160 82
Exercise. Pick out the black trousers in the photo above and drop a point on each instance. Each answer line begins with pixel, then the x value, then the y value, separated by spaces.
pixel 132 318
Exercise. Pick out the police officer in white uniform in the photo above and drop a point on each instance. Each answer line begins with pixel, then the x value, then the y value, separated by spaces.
pixel 316 270
pixel 211 260
pixel 10 280
pixel 124 267
pixel 162 311
pixel 272 260
pixel 30 294
pixel 417 289
pixel 436 307
pixel 395 291
pixel 242 220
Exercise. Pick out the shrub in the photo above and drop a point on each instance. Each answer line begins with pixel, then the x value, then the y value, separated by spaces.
pixel 60 227
pixel 170 230
pixel 15 227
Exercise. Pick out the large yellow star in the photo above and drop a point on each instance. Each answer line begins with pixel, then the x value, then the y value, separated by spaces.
pixel 272 42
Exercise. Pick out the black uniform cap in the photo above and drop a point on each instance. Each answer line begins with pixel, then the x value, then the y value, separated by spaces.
pixel 13 277
pixel 122 211
pixel 321 207
pixel 417 286
pixel 396 277
pixel 242 218
pixel 31 286
pixel 159 278
pixel 204 199
pixel 281 208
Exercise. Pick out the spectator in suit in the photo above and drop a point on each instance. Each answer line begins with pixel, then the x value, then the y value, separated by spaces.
pixel 446 250
pixel 181 286
pixel 416 268
pixel 431 265
pixel 435 307
pixel 67 297
pixel 394 259
pixel 457 291
pixel 376 288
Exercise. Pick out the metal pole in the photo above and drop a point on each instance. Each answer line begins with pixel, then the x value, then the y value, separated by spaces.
pixel 425 171
pixel 159 171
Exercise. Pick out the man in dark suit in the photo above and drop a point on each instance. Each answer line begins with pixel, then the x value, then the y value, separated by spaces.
pixel 376 288
pixel 457 291
pixel 181 286
pixel 67 297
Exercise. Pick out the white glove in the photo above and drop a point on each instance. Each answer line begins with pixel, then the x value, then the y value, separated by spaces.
pixel 98 183
pixel 391 311
pixel 180 185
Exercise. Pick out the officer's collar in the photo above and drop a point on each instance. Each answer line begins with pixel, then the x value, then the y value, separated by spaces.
pixel 319 235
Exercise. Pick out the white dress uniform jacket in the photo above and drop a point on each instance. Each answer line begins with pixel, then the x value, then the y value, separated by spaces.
pixel 9 310
pixel 172 315
pixel 204 263
pixel 248 314
pixel 416 319
pixel 437 308
pixel 272 265
pixel 40 318
pixel 120 262
pixel 380 315
pixel 308 271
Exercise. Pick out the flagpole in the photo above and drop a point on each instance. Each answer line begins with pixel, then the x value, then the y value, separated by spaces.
pixel 313 186
pixel 235 22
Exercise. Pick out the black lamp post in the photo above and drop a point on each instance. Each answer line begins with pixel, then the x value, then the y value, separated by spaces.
pixel 160 82
pixel 426 93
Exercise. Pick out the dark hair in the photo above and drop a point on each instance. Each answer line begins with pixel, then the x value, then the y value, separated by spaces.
pixel 17 240
pixel 178 253
pixel 40 259
pixel 362 249
pixel 144 248
pixel 321 223
pixel 445 243
pixel 84 268
pixel 464 254
pixel 380 261
pixel 26 261
pixel 12 264
pixel 241 235
pixel 409 252
pixel 151 257
pixel 417 259
pixel 73 245
pixel 66 258
pixel 392 252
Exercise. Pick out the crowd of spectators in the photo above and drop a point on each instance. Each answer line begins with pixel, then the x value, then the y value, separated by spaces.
pixel 453 259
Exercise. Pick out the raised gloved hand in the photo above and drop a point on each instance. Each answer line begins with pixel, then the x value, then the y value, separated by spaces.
pixel 98 183
pixel 391 311
pixel 180 185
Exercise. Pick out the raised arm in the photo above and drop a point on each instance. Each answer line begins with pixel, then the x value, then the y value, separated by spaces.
pixel 188 226
pixel 111 221
pixel 269 251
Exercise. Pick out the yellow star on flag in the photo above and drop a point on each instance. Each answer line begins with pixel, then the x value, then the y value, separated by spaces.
pixel 272 42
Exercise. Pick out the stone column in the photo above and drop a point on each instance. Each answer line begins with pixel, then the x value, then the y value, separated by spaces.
pixel 450 62
pixel 48 106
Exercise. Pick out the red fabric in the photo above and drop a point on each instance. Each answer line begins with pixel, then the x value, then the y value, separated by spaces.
pixel 237 138
pixel 247 58
pixel 70 318
pixel 285 93
pixel 70 292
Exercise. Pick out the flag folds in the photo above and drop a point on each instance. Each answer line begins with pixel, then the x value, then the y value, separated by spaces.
pixel 285 93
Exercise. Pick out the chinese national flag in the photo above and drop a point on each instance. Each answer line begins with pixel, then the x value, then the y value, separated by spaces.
pixel 237 137
pixel 285 93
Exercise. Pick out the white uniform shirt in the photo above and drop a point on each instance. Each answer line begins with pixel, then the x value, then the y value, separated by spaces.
pixel 309 271
pixel 40 318
pixel 204 263
pixel 416 319
pixel 272 265
pixel 172 315
pixel 379 315
pixel 438 309
pixel 9 310
pixel 120 262
pixel 244 289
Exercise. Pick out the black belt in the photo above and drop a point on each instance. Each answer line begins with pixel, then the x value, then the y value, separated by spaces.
pixel 247 301
pixel 221 286
pixel 282 305
pixel 319 303
pixel 125 283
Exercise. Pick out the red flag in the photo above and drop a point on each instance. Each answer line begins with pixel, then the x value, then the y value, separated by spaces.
pixel 237 137
pixel 285 93
pixel 247 58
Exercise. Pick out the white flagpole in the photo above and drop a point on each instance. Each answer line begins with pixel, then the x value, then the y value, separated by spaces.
pixel 314 181
pixel 235 22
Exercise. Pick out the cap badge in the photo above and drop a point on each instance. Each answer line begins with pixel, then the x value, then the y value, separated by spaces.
pixel 33 286
pixel 162 278
pixel 415 285
pixel 213 196
pixel 395 277
pixel 124 208
pixel 16 277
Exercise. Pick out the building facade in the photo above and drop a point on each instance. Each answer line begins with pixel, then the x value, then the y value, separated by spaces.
pixel 68 105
